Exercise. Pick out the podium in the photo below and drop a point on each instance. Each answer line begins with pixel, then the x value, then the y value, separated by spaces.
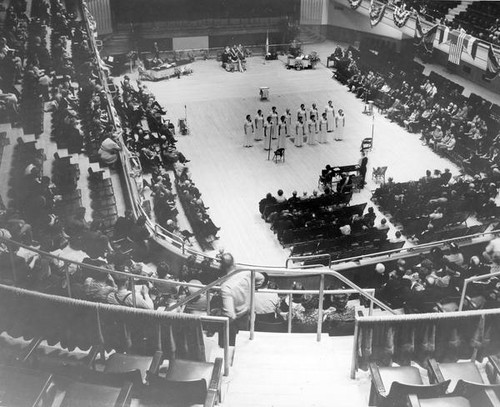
pixel 264 93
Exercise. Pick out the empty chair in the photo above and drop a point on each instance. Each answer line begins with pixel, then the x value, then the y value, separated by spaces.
pixel 465 394
pixel 392 385
pixel 125 363
pixel 366 144
pixel 88 394
pixel 378 174
pixel 21 387
pixel 279 154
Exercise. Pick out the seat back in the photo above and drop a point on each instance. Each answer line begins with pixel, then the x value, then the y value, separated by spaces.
pixel 480 395
pixel 399 391
pixel 161 392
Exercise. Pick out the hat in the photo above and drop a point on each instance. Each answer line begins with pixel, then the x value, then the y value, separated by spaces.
pixel 380 268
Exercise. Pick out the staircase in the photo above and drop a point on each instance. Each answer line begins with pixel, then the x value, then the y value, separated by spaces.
pixel 452 13
pixel 279 369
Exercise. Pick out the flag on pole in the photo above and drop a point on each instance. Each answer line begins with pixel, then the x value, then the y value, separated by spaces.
pixel 456 46
pixel 492 65
pixel 426 37
pixel 267 42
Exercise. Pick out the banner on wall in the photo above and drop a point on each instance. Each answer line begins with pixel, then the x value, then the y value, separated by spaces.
pixel 492 65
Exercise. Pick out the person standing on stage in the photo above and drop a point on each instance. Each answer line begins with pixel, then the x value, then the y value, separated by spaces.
pixel 282 132
pixel 300 132
pixel 363 164
pixel 323 129
pixel 301 113
pixel 249 130
pixel 288 119
pixel 313 131
pixel 313 112
pixel 268 133
pixel 330 116
pixel 275 116
pixel 259 126
pixel 340 121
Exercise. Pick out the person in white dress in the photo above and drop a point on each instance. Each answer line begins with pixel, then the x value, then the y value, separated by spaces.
pixel 300 133
pixel 313 131
pixel 259 126
pixel 268 133
pixel 249 130
pixel 288 119
pixel 274 115
pixel 302 113
pixel 282 132
pixel 330 116
pixel 314 112
pixel 340 120
pixel 323 129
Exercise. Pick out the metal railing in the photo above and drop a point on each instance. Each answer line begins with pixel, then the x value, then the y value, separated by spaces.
pixel 69 267
pixel 471 280
pixel 285 272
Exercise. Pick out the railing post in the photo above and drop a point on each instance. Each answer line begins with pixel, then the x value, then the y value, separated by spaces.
pixel 462 297
pixel 252 304
pixel 12 263
pixel 354 359
pixel 132 289
pixel 290 301
pixel 370 310
pixel 68 279
pixel 320 307
pixel 226 347
pixel 208 302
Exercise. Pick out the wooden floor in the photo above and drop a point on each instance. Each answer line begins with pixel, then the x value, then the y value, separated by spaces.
pixel 233 179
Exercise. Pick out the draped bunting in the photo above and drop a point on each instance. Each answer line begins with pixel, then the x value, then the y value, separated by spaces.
pixel 83 324
pixel 400 15
pixel 492 65
pixel 376 13
pixel 425 37
pixel 355 3
pixel 386 340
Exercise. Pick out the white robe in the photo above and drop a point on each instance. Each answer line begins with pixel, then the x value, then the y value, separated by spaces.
pixel 288 121
pixel 313 131
pixel 248 128
pixel 259 127
pixel 300 132
pixel 323 129
pixel 282 133
pixel 330 117
pixel 340 120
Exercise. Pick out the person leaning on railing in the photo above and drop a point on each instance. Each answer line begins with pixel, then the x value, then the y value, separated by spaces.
pixel 235 294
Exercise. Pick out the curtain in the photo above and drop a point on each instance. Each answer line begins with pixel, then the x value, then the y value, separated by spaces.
pixel 76 323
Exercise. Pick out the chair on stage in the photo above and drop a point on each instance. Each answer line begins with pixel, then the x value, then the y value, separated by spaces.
pixel 279 154
pixel 378 174
pixel 367 144
pixel 264 93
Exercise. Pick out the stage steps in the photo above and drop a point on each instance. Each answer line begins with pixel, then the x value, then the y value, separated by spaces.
pixel 279 369
pixel 452 13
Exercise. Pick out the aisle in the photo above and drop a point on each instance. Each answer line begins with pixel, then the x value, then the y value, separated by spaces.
pixel 233 179
pixel 288 370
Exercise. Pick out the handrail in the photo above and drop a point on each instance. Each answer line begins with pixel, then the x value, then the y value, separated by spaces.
pixel 253 270
pixel 310 257
pixel 470 280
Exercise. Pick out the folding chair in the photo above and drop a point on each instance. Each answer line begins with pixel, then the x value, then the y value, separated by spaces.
pixel 366 144
pixel 279 154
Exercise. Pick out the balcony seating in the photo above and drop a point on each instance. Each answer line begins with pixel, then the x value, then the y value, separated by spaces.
pixel 392 385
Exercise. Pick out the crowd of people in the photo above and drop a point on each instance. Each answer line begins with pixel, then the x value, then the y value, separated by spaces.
pixel 433 282
pixel 234 59
pixel 311 127
pixel 447 121
pixel 426 206
pixel 155 146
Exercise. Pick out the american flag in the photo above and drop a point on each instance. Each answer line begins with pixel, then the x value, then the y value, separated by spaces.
pixel 492 65
pixel 457 40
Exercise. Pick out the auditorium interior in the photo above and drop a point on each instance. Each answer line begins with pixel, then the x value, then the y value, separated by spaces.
pixel 256 203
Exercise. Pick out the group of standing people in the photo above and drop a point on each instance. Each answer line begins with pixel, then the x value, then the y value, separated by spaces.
pixel 310 126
